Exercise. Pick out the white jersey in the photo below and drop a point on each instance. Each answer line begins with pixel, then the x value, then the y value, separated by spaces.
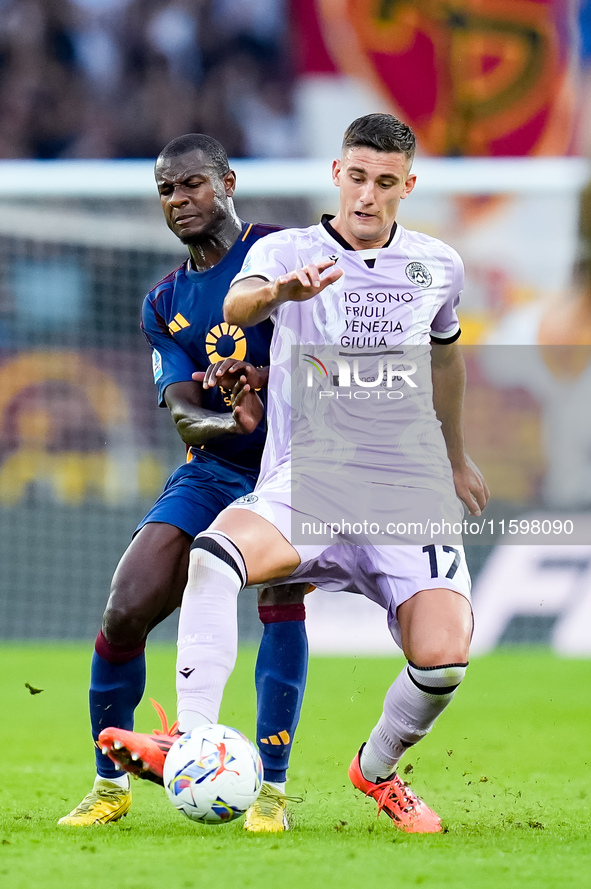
pixel 373 468
pixel 408 298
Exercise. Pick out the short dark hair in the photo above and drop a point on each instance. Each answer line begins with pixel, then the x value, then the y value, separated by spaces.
pixel 382 132
pixel 207 145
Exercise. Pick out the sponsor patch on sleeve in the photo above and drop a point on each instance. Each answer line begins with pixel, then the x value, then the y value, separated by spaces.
pixel 156 364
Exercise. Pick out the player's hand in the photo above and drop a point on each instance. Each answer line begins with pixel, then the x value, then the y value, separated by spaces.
pixel 303 284
pixel 247 407
pixel 471 487
pixel 226 374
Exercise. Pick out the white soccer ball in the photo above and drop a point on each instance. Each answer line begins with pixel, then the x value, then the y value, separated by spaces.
pixel 213 774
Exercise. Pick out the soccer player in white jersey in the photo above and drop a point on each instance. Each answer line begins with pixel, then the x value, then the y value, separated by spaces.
pixel 301 279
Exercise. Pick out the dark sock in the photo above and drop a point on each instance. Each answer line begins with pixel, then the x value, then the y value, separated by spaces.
pixel 117 682
pixel 280 679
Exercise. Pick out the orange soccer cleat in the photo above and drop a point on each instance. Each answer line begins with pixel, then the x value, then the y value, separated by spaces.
pixel 397 800
pixel 141 755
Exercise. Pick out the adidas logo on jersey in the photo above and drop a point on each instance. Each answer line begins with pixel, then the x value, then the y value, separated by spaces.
pixel 177 323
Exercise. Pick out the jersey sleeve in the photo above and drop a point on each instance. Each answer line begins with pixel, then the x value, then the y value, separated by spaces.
pixel 170 363
pixel 445 327
pixel 269 258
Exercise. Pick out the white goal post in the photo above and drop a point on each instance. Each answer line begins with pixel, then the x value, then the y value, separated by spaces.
pixel 292 177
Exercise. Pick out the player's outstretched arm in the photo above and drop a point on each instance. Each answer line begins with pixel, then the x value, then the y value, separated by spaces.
pixel 449 383
pixel 252 300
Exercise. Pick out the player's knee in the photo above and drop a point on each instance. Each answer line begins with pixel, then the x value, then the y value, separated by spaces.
pixel 122 627
pixel 432 654
pixel 127 616
pixel 434 645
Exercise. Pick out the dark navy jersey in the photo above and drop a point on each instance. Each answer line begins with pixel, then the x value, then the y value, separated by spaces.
pixel 183 322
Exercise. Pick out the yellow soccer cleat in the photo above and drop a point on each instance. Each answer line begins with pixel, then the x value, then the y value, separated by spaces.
pixel 106 802
pixel 268 813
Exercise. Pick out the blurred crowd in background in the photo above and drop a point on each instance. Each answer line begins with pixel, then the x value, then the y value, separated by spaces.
pixel 120 78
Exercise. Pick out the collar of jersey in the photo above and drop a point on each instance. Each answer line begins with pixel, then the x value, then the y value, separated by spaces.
pixel 194 275
pixel 369 253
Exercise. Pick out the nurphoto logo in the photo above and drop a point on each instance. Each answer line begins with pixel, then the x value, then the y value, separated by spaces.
pixel 391 373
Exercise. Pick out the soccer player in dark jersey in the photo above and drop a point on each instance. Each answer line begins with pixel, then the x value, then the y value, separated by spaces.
pixel 183 323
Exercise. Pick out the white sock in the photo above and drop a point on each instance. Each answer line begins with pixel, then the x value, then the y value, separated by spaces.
pixel 188 720
pixel 208 627
pixel 276 785
pixel 121 781
pixel 412 704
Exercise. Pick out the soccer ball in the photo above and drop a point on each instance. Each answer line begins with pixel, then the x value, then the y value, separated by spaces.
pixel 213 774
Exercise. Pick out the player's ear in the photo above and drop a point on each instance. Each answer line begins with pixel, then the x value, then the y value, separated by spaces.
pixel 230 183
pixel 409 185
pixel 336 171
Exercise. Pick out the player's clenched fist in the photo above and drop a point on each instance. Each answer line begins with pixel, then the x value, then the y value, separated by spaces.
pixel 304 283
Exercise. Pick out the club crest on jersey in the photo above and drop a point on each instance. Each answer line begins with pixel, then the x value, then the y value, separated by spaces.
pixel 419 274
pixel 225 341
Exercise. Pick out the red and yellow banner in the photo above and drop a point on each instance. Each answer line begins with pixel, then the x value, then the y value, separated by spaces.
pixel 472 77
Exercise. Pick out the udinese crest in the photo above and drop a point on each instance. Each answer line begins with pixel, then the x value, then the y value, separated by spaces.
pixel 419 274
pixel 247 498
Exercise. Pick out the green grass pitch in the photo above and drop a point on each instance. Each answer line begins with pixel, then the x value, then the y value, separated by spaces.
pixel 507 767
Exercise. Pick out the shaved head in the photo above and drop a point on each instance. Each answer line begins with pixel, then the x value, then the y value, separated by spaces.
pixel 210 148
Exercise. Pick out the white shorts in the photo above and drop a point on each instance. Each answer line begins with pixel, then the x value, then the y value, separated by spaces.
pixel 388 575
